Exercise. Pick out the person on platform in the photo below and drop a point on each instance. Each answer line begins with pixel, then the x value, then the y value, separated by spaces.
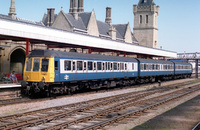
pixel 13 77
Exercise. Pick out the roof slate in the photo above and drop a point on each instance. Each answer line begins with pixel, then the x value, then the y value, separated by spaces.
pixel 20 20
pixel 76 23
pixel 121 28
pixel 103 27
pixel 85 17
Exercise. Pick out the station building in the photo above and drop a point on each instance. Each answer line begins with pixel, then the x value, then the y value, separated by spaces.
pixel 12 53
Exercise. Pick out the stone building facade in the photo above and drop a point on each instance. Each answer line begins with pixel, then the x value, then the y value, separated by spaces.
pixel 12 53
pixel 146 23
pixel 86 23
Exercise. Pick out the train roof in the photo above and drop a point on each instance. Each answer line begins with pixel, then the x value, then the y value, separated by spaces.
pixel 181 63
pixel 154 61
pixel 75 55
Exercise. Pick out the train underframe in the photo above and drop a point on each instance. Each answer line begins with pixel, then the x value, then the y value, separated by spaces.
pixel 48 89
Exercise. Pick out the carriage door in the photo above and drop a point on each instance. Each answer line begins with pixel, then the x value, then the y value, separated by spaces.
pixel 57 70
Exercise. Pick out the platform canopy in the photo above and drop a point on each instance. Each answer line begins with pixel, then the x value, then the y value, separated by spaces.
pixel 17 30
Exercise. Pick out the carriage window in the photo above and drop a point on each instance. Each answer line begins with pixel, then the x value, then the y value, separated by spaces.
pixel 74 65
pixel 142 67
pixel 36 65
pixel 56 65
pixel 45 63
pixel 122 66
pixel 153 66
pixel 99 66
pixel 115 66
pixel 132 66
pixel 118 66
pixel 95 66
pixel 169 67
pixel 85 66
pixel 103 66
pixel 79 65
pixel 145 66
pixel 157 67
pixel 111 66
pixel 125 66
pixel 108 65
pixel 165 67
pixel 90 66
pixel 150 67
pixel 67 65
pixel 28 64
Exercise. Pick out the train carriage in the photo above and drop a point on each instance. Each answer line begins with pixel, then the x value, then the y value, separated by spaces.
pixel 46 68
pixel 49 71
pixel 155 69
pixel 182 69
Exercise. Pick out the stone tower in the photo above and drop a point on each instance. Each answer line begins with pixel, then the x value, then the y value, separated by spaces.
pixel 146 23
pixel 12 9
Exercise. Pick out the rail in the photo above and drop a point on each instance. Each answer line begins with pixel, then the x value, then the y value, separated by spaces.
pixel 197 127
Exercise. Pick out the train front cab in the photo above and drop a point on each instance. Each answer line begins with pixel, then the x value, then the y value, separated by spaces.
pixel 38 73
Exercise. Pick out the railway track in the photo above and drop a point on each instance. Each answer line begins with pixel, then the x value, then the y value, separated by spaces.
pixel 16 98
pixel 99 119
pixel 91 111
pixel 197 127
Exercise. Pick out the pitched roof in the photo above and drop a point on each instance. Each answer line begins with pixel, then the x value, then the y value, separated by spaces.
pixel 76 23
pixel 134 39
pixel 104 29
pixel 85 16
pixel 121 28
pixel 20 20
pixel 45 19
pixel 145 3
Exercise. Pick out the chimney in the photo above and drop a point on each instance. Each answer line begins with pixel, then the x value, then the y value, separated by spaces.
pixel 75 13
pixel 71 6
pixel 80 6
pixel 50 16
pixel 112 33
pixel 12 13
pixel 108 16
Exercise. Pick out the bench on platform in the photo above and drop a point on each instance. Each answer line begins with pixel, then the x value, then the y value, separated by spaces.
pixel 18 76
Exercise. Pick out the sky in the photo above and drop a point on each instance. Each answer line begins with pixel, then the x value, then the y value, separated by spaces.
pixel 178 21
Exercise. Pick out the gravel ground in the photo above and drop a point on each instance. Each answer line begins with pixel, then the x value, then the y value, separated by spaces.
pixel 182 117
pixel 173 116
pixel 24 107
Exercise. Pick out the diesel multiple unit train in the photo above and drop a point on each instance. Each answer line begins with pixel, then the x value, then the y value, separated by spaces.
pixel 49 71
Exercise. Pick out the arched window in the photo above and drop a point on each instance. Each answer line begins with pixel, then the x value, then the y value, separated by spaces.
pixel 147 19
pixel 140 19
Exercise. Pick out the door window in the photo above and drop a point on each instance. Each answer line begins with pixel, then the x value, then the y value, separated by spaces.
pixel 45 63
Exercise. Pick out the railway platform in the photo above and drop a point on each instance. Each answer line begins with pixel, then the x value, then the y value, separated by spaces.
pixel 10 85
